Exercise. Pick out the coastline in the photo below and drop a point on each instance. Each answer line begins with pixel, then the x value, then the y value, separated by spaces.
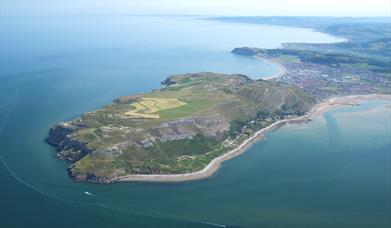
pixel 281 69
pixel 215 164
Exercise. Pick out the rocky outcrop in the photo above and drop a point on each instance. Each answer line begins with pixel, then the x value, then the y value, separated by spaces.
pixel 213 125
pixel 90 177
pixel 168 82
pixel 68 148
pixel 247 51
pixel 72 149
pixel 59 132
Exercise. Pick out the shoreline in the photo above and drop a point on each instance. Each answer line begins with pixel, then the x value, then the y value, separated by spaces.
pixel 215 164
pixel 281 68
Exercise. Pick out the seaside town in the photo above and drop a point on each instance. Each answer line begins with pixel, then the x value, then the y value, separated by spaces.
pixel 322 81
pixel 358 65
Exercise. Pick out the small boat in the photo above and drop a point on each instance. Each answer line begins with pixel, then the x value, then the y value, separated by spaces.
pixel 88 193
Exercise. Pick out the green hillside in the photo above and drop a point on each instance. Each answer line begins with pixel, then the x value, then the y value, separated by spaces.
pixel 177 129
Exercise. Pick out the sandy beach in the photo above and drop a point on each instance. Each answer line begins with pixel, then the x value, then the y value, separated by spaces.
pixel 214 165
pixel 281 69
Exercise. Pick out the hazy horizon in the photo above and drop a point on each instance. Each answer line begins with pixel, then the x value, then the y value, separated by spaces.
pixel 332 8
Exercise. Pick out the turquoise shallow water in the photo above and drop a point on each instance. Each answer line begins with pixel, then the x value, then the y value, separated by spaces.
pixel 332 172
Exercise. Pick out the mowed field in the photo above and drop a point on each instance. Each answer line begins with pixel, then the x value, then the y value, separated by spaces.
pixel 149 107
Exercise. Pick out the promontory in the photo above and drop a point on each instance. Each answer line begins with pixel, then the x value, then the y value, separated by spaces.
pixel 178 129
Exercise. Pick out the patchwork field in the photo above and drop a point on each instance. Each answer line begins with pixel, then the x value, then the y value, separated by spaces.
pixel 149 107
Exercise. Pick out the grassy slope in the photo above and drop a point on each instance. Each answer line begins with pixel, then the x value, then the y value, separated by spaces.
pixel 236 98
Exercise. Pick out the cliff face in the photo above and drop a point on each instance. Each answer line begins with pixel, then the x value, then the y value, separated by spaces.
pixel 72 149
pixel 177 129
pixel 184 128
pixel 68 149
pixel 59 132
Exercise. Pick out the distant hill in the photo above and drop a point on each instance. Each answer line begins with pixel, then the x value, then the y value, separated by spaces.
pixel 353 28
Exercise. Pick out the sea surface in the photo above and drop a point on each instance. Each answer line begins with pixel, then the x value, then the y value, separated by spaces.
pixel 331 172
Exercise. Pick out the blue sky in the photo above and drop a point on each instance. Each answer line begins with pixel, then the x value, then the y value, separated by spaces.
pixel 200 7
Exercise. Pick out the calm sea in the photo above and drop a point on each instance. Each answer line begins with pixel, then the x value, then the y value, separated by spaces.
pixel 332 172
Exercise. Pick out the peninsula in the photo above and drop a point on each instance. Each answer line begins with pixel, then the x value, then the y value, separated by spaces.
pixel 179 129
